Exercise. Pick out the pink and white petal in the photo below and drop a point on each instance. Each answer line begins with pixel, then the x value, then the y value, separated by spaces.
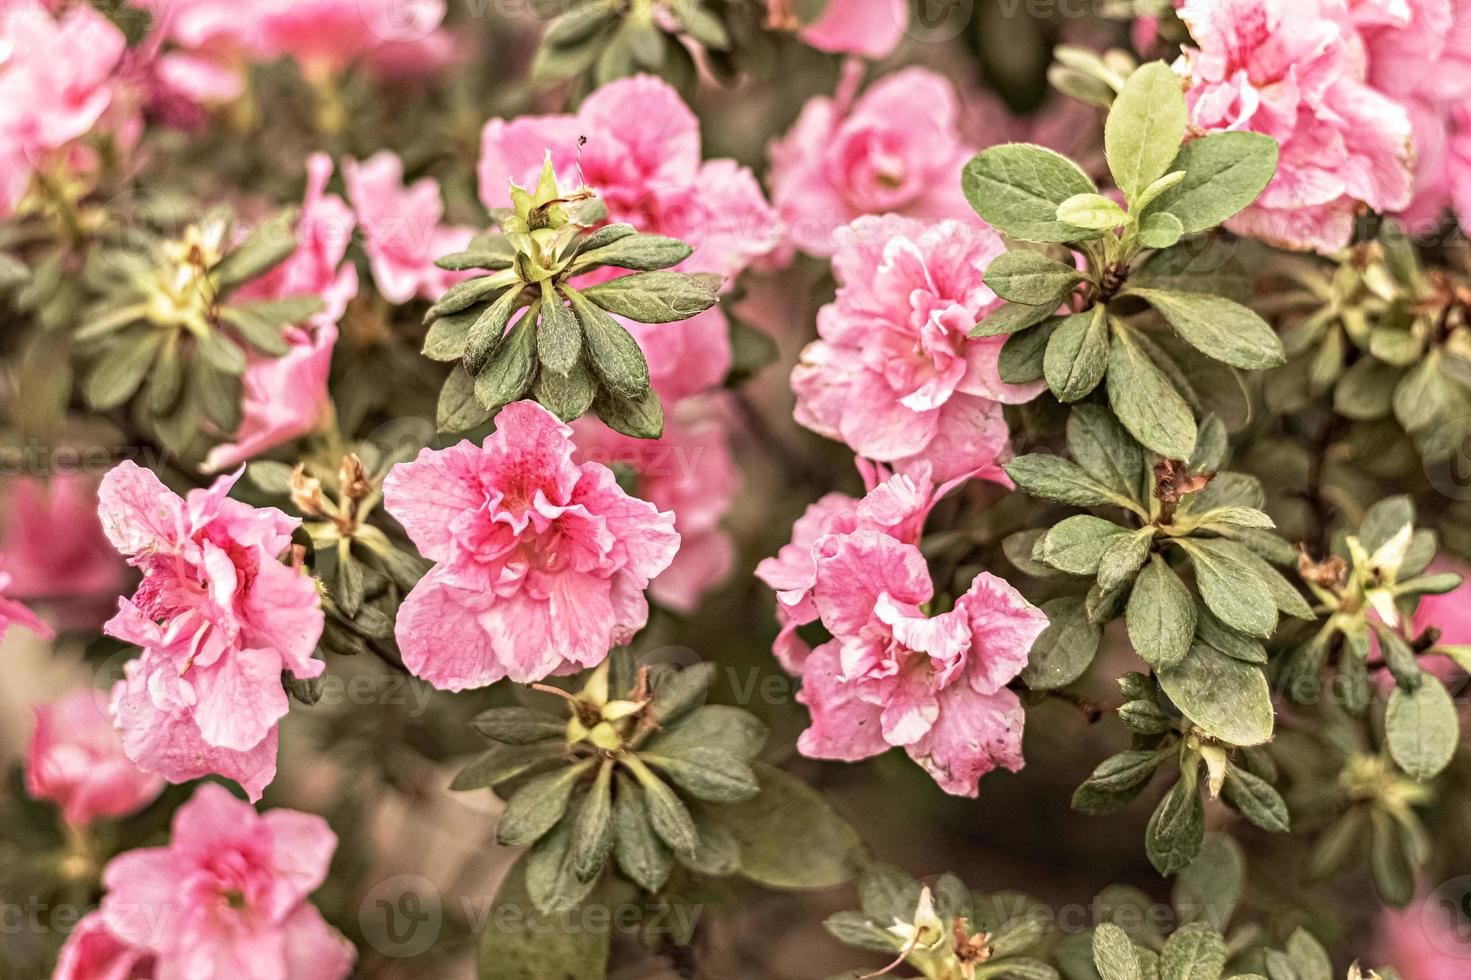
pixel 974 734
pixel 854 570
pixel 440 636
pixel 142 885
pixel 314 949
pixel 283 611
pixel 301 849
pixel 138 512
pixel 844 726
pixel 427 494
pixel 240 698
pixel 1003 627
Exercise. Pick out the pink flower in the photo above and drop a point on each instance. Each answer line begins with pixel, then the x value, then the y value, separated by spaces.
pixel 328 36
pixel 76 760
pixel 871 28
pixel 401 228
pixel 843 159
pixel 541 563
pixel 688 471
pixel 895 505
pixel 227 897
pixel 14 612
pixel 92 952
pixel 55 551
pixel 197 54
pixel 1426 941
pixel 892 676
pixel 896 375
pixel 1292 69
pixel 218 618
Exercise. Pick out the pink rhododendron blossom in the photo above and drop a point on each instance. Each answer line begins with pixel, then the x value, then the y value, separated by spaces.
pixel 892 676
pixel 895 374
pixel 92 952
pixel 227 897
pixel 871 28
pixel 54 549
pixel 218 618
pixel 1426 941
pixel 401 228
pixel 12 612
pixel 688 471
pixel 1295 70
pixel 197 54
pixel 845 158
pixel 76 760
pixel 541 563
pixel 58 78
pixel 896 505
pixel 328 36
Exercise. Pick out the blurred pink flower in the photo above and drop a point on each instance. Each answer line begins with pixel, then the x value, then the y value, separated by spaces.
pixel 892 676
pixel 197 53
pixel 58 78
pixel 328 36
pixel 897 507
pixel 845 158
pixel 16 613
pixel 218 618
pixel 541 563
pixel 895 374
pixel 92 952
pixel 871 28
pixel 227 898
pixel 401 228
pixel 688 471
pixel 1294 70
pixel 1427 941
pixel 76 760
pixel 54 549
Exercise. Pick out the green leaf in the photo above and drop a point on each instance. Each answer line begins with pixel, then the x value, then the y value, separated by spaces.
pixel 1113 953
pixel 642 253
pixel 504 762
pixel 511 371
pixel 559 337
pixel 1160 230
pixel 1161 615
pixel 567 397
pixel 708 773
pixel 730 730
pixel 1106 451
pixel 446 337
pixel 1077 544
pixel 1227 576
pixel 789 836
pixel 1031 278
pixel 592 830
pixel 1208 890
pixel 551 881
pixel 521 944
pixel 1218 327
pixel 122 367
pixel 640 418
pixel 1144 128
pixel 1011 318
pixel 654 297
pixel 1057 479
pixel 270 244
pixel 1194 952
pixel 459 410
pixel 1224 173
pixel 1146 402
pixel 641 853
pixel 670 817
pixel 1390 863
pixel 487 332
pixel 1020 361
pixel 1077 354
pixel 518 726
pixel 1366 390
pixel 616 357
pixel 1016 188
pixel 1176 829
pixel 1063 651
pixel 1124 557
pixel 1091 210
pixel 1227 698
pixel 1144 718
pixel 1422 728
pixel 1256 799
pixel 857 929
pixel 220 352
pixel 1308 957
pixel 463 295
pixel 536 807
pixel 261 322
pixel 1116 782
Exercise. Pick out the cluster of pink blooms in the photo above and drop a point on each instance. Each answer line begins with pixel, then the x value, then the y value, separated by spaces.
pixel 218 617
pixel 1364 96
pixel 892 675
pixel 226 898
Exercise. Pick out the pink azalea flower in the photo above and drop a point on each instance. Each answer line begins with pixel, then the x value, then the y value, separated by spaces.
pixel 896 504
pixel 328 36
pixel 196 54
pixel 688 471
pixel 895 374
pixel 892 676
pixel 92 952
pixel 218 618
pixel 1292 69
pixel 58 78
pixel 871 28
pixel 1426 941
pixel 227 897
pixel 55 551
pixel 401 228
pixel 76 760
pixel 845 158
pixel 541 564
pixel 14 612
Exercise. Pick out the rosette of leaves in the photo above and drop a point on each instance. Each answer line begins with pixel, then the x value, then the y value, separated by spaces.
pixel 364 572
pixel 163 326
pixel 1081 327
pixel 598 41
pixel 523 329
pixel 942 930
pixel 1368 589
pixel 1183 551
pixel 634 771
pixel 1387 338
